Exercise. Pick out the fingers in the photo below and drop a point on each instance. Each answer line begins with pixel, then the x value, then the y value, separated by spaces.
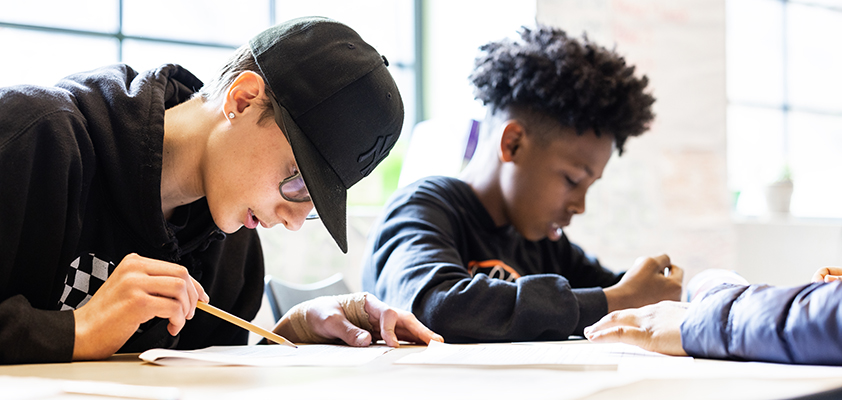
pixel 621 334
pixel 203 296
pixel 388 320
pixel 397 325
pixel 339 326
pixel 416 331
pixel 656 263
pixel 170 309
pixel 676 273
pixel 169 285
pixel 614 319
pixel 171 280
pixel 663 260
pixel 827 274
pixel 383 319
pixel 820 274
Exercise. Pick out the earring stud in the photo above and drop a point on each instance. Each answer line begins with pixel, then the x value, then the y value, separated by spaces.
pixel 231 115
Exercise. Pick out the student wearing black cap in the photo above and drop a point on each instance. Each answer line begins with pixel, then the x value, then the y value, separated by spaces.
pixel 123 193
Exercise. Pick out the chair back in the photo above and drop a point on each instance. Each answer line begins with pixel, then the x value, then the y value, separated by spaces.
pixel 283 296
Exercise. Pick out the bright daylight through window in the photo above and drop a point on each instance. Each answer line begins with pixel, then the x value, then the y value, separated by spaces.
pixel 784 108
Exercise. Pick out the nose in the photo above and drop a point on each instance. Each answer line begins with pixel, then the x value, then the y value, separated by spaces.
pixel 577 203
pixel 294 214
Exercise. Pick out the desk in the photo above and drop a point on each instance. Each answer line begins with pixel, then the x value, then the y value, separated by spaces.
pixel 707 379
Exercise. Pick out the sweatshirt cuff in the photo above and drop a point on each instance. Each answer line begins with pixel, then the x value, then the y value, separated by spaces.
pixel 31 335
pixel 592 307
pixel 705 330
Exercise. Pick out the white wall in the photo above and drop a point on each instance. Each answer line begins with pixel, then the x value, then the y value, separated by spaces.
pixel 455 31
pixel 781 250
pixel 667 193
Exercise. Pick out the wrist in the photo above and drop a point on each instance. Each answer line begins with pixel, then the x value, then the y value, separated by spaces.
pixel 82 347
pixel 615 298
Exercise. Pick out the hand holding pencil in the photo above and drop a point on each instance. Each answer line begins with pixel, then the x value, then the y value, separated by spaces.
pixel 138 290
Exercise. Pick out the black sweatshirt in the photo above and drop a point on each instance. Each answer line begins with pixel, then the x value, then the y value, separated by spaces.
pixel 80 176
pixel 437 252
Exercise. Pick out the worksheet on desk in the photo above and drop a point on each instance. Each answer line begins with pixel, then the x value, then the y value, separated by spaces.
pixel 268 355
pixel 572 356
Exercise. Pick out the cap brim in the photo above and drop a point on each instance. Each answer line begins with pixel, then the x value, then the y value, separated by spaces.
pixel 326 189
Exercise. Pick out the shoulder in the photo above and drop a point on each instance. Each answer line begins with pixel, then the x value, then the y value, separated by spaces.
pixel 434 188
pixel 438 204
pixel 27 108
pixel 436 194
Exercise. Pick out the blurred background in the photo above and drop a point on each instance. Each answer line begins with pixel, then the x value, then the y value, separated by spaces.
pixel 748 107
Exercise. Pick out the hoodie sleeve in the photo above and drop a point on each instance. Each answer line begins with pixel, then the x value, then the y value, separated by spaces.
pixel 795 325
pixel 413 262
pixel 42 190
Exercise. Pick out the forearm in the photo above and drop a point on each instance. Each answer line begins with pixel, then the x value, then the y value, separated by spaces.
pixel 29 335
pixel 758 322
pixel 538 307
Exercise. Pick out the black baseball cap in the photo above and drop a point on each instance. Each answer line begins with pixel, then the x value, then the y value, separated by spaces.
pixel 336 103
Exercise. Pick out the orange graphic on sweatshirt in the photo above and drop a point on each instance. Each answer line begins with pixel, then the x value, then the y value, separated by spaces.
pixel 494 269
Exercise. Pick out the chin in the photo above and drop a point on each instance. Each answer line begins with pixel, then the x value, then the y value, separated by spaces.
pixel 229 231
pixel 534 236
pixel 228 228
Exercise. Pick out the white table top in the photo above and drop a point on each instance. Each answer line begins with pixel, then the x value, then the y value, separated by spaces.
pixel 702 379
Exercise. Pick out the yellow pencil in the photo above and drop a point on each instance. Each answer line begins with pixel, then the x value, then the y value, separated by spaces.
pixel 243 323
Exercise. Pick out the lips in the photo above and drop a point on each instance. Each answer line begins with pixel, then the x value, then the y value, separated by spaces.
pixel 554 231
pixel 251 220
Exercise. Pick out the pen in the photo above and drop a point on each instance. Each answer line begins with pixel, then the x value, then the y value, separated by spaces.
pixel 243 323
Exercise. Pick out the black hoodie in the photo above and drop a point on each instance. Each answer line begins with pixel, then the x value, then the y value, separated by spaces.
pixel 80 175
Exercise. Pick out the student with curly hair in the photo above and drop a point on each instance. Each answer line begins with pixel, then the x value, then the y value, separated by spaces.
pixel 483 258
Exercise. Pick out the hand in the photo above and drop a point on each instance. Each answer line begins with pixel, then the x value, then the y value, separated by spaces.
pixel 656 327
pixel 139 289
pixel 324 319
pixel 827 274
pixel 649 281
pixel 392 325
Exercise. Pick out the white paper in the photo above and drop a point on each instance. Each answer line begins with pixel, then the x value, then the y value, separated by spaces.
pixel 444 382
pixel 584 356
pixel 267 355
pixel 30 388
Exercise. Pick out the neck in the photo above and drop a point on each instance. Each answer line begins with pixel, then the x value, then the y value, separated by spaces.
pixel 187 127
pixel 482 174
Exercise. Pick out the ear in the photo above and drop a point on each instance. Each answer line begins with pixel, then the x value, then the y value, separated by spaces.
pixel 511 140
pixel 243 93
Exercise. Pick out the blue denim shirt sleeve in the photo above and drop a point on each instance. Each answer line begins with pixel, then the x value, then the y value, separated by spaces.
pixel 800 324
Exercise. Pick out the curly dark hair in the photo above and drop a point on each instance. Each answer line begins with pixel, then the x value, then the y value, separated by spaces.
pixel 581 84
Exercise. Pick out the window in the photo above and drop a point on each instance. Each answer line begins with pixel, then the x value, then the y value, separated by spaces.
pixel 784 107
pixel 44 40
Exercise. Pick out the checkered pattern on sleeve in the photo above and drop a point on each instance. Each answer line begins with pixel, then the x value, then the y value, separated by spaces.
pixel 84 277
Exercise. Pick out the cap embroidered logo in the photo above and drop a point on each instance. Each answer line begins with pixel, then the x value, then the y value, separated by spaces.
pixel 376 153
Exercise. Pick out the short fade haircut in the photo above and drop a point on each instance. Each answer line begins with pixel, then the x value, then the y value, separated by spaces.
pixel 582 85
pixel 242 60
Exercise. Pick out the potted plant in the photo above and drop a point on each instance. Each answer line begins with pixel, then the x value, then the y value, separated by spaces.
pixel 779 193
